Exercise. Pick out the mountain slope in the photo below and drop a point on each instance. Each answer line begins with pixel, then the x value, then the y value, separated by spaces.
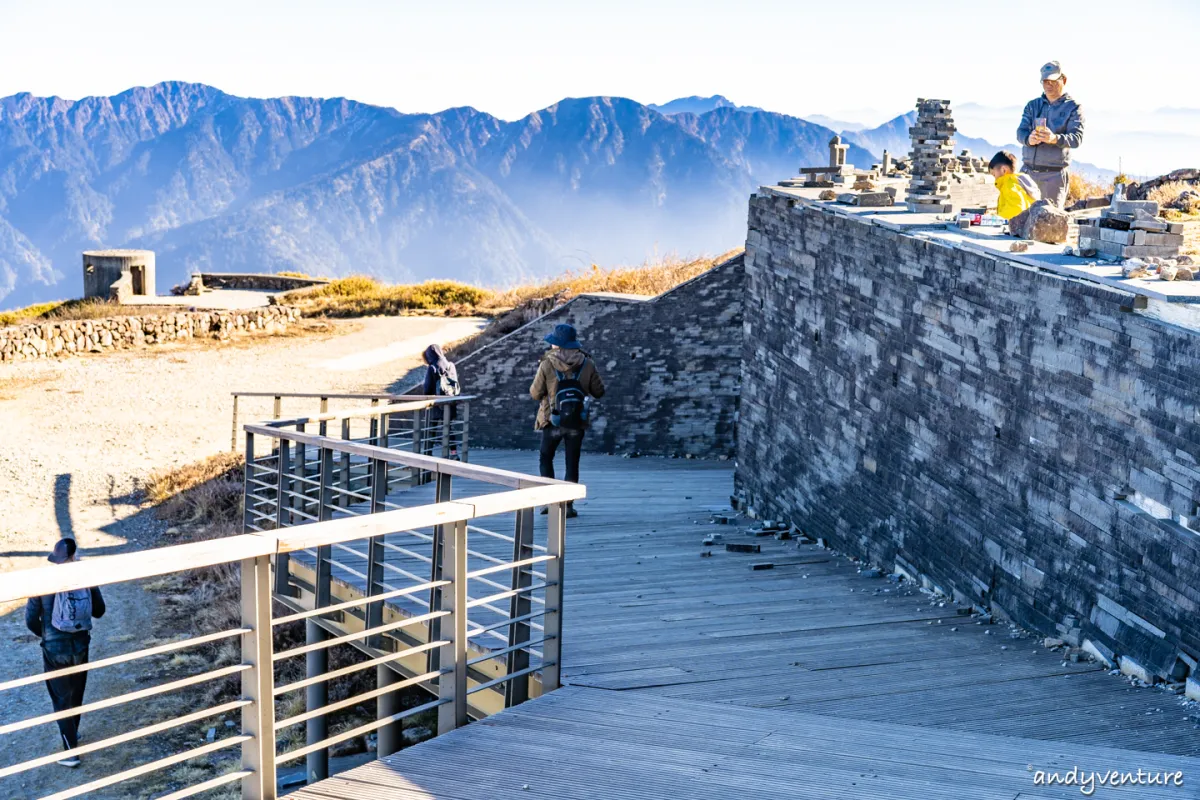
pixel 217 182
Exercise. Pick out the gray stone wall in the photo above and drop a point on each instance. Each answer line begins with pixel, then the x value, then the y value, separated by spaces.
pixel 1025 441
pixel 251 280
pixel 53 339
pixel 671 366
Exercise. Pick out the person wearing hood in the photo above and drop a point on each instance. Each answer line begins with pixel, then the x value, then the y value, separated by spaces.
pixel 63 622
pixel 441 376
pixel 566 377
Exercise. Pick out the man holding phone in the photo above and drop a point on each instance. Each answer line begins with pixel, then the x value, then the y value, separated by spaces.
pixel 1050 126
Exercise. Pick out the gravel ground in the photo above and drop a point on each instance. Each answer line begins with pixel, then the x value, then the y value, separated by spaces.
pixel 77 437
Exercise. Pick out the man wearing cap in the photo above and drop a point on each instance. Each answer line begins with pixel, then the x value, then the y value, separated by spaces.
pixel 1050 126
pixel 565 378
pixel 63 622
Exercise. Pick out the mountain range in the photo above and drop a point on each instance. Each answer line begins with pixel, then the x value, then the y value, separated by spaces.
pixel 216 182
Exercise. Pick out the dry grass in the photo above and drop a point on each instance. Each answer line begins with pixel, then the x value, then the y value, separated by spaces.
pixel 1173 206
pixel 62 310
pixel 360 296
pixel 207 492
pixel 1080 188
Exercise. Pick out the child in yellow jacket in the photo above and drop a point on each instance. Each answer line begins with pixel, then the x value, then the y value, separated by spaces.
pixel 1017 191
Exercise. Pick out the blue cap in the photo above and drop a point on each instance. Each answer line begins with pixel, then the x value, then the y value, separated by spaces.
pixel 563 336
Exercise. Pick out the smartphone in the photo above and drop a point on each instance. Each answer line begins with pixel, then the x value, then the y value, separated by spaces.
pixel 1040 122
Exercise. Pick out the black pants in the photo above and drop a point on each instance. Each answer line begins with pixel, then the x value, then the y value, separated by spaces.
pixel 66 691
pixel 572 445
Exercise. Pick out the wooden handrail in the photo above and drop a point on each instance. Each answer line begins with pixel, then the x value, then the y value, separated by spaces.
pixel 326 395
pixel 417 404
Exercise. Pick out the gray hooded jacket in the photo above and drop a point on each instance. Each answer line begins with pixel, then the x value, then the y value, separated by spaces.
pixel 1065 118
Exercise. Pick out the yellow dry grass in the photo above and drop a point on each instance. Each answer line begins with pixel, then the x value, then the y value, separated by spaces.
pixel 361 296
pixel 1080 188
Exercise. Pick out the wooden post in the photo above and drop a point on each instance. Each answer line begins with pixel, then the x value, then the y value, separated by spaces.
pixel 390 736
pixel 516 691
pixel 452 683
pixel 233 437
pixel 258 683
pixel 316 695
pixel 277 412
pixel 442 495
pixel 556 541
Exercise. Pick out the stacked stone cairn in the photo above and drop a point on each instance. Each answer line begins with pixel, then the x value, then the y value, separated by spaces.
pixel 932 157
pixel 1131 232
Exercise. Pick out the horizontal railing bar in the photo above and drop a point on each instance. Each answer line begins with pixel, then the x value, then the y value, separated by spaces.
pixel 99 705
pixel 358 698
pixel 506 678
pixel 263 484
pixel 391 626
pixel 362 601
pixel 498 585
pixel 486 532
pixel 327 395
pixel 101 570
pixel 153 766
pixel 486 557
pixel 510 593
pixel 349 493
pixel 368 412
pixel 351 570
pixel 525 562
pixel 407 552
pixel 212 783
pixel 182 644
pixel 359 731
pixel 84 749
pixel 471 634
pixel 339 673
pixel 297 512
pixel 497 653
pixel 412 576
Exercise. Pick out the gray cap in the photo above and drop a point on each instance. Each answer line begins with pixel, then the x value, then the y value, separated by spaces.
pixel 1051 71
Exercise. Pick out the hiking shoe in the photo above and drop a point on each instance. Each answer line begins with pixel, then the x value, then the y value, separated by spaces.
pixel 69 760
pixel 571 512
pixel 545 510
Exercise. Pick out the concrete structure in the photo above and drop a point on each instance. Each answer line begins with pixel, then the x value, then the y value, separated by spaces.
pixel 119 275
pixel 671 365
pixel 984 421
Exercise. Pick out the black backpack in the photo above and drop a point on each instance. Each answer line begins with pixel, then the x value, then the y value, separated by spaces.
pixel 569 409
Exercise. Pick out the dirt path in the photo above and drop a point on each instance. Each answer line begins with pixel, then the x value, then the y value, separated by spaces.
pixel 76 438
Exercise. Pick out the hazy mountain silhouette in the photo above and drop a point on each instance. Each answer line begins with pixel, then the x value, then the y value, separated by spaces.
pixel 331 186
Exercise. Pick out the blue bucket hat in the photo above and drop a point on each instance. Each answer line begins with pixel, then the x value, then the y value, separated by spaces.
pixel 563 336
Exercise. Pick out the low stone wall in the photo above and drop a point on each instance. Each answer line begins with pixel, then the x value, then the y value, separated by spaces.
pixel 1025 441
pixel 52 339
pixel 671 366
pixel 251 280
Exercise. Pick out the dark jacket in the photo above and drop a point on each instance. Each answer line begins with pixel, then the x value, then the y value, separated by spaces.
pixel 1065 118
pixel 436 365
pixel 40 610
pixel 545 383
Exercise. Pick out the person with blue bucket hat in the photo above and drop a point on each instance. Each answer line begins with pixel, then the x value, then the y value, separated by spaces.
pixel 566 378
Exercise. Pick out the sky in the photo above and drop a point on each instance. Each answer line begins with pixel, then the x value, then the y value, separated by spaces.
pixel 863 62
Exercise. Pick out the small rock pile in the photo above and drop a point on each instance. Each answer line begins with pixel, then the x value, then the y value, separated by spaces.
pixel 931 158
pixel 1131 231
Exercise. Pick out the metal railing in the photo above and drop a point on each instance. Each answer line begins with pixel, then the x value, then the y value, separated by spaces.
pixel 448 628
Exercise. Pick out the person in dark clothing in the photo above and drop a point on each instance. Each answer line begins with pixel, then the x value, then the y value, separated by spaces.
pixel 563 371
pixel 63 622
pixel 441 376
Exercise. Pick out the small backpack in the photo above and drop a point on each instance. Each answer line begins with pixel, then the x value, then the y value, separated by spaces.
pixel 73 611
pixel 569 410
pixel 447 385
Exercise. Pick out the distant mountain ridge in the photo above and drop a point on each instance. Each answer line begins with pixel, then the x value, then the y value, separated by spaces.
pixel 217 182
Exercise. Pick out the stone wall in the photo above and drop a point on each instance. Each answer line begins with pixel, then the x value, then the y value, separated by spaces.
pixel 671 366
pixel 251 280
pixel 1025 441
pixel 51 339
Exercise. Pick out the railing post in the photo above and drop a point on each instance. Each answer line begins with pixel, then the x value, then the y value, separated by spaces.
pixel 346 466
pixel 452 684
pixel 377 471
pixel 316 662
pixel 447 410
pixel 277 411
pixel 516 691
pixel 441 495
pixel 282 584
pixel 556 541
pixel 249 492
pixel 465 407
pixel 418 443
pixel 233 437
pixel 390 736
pixel 258 683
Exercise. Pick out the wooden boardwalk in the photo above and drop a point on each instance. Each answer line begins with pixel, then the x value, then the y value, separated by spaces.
pixel 701 677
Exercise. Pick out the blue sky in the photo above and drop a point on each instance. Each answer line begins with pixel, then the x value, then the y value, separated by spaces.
pixel 865 61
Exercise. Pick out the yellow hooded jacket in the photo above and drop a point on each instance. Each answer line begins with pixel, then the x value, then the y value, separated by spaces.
pixel 1014 197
